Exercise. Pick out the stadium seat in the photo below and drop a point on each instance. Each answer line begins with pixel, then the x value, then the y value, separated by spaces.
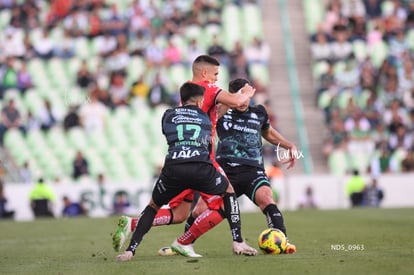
pixel 339 67
pixel 359 161
pixel 15 141
pixel 260 72
pixel 363 98
pixel 232 23
pixel 343 98
pixel 338 162
pixel 178 74
pixel 397 158
pixel 387 7
pixel 5 16
pixel 378 53
pixel 319 68
pixel 360 50
pixel 314 12
pixel 324 100
pixel 410 38
pixel 32 101
pixel 82 47
pixel 77 138
pixel 193 32
pixel 72 66
pixel 251 13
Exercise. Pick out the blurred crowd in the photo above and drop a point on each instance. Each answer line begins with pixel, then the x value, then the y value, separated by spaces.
pixel 363 62
pixel 99 40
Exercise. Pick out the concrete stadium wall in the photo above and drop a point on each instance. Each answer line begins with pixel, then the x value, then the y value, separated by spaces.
pixel 328 189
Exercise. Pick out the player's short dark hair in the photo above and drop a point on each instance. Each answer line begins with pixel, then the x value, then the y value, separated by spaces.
pixel 190 90
pixel 206 59
pixel 236 84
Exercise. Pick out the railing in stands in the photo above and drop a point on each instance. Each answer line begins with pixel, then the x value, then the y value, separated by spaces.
pixel 294 87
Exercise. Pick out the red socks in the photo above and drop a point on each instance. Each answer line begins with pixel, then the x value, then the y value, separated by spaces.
pixel 203 223
pixel 163 217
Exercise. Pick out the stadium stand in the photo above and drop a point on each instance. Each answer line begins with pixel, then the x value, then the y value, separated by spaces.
pixel 121 42
pixel 362 64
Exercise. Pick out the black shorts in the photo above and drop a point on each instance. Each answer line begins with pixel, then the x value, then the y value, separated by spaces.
pixel 198 176
pixel 246 179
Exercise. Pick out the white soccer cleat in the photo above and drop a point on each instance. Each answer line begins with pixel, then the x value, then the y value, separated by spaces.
pixel 166 251
pixel 123 230
pixel 125 257
pixel 243 249
pixel 185 250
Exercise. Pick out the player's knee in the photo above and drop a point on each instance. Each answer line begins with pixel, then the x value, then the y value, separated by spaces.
pixel 179 216
pixel 153 205
pixel 230 189
pixel 264 197
pixel 199 208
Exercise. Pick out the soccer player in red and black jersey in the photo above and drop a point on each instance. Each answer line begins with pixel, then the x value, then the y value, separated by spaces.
pixel 216 102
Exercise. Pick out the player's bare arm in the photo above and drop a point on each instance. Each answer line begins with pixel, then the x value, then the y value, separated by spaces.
pixel 275 138
pixel 236 100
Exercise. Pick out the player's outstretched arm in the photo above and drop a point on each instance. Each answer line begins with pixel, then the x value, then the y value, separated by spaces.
pixel 236 100
pixel 275 138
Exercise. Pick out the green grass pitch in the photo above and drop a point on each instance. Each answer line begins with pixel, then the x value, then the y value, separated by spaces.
pixel 357 241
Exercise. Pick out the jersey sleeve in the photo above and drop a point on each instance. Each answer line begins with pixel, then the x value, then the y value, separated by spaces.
pixel 266 121
pixel 210 95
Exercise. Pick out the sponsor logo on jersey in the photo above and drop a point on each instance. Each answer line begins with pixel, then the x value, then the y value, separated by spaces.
pixel 227 125
pixel 253 121
pixel 185 154
pixel 244 129
pixel 185 119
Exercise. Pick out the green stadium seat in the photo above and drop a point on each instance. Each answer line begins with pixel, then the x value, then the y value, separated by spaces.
pixel 314 13
pixel 82 47
pixel 410 38
pixel 5 16
pixel 397 158
pixel 360 50
pixel 387 7
pixel 251 13
pixel 57 73
pixel 378 53
pixel 338 162
pixel 76 138
pixel 33 102
pixel 260 72
pixel 359 161
pixel 339 67
pixel 57 33
pixel 178 74
pixel 224 77
pixel 343 98
pixel 72 66
pixel 193 32
pixel 136 68
pixel 324 100
pixel 319 68
pixel 363 99
pixel 15 142
pixel 209 32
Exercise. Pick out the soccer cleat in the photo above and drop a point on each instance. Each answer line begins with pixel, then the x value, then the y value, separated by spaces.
pixel 185 250
pixel 166 251
pixel 123 230
pixel 290 248
pixel 243 249
pixel 124 257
